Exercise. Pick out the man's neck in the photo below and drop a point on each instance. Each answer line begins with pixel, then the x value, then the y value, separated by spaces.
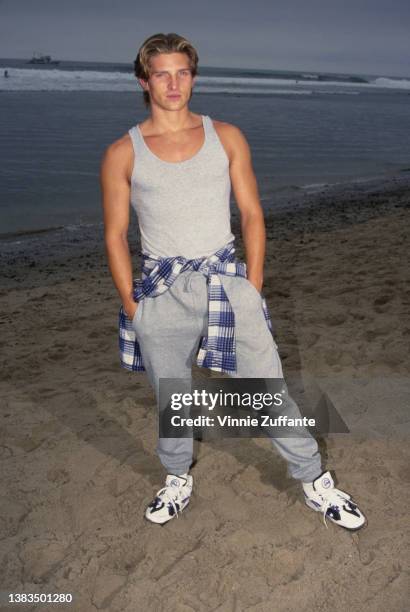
pixel 163 121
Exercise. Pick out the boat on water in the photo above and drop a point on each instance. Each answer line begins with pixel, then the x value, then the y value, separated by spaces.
pixel 39 58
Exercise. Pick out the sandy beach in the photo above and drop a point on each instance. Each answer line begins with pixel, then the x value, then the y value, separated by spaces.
pixel 79 432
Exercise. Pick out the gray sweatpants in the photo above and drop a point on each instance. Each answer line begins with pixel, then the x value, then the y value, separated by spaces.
pixel 169 328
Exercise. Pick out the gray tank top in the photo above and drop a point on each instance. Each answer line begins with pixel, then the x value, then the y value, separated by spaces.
pixel 182 207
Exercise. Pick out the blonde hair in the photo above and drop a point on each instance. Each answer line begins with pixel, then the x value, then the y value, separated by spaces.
pixel 162 43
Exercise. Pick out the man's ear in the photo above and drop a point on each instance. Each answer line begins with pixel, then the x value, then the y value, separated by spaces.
pixel 143 83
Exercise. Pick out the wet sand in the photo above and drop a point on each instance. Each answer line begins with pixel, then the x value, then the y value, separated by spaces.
pixel 78 432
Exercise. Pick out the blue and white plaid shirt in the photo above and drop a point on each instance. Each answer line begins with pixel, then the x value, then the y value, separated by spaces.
pixel 217 348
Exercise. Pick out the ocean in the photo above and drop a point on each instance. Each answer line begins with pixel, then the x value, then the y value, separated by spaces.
pixel 306 130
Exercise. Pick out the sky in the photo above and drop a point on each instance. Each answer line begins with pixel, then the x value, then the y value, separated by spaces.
pixel 353 36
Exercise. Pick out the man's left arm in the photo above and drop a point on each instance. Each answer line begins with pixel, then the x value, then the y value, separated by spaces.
pixel 245 189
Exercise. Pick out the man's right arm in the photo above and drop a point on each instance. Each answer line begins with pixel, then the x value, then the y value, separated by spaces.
pixel 115 188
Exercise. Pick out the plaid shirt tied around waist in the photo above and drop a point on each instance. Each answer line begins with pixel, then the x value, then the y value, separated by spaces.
pixel 217 348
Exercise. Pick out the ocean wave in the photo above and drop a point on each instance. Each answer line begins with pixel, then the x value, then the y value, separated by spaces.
pixel 27 79
pixel 392 83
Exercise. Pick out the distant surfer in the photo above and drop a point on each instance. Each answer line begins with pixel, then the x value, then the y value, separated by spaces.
pixel 6 74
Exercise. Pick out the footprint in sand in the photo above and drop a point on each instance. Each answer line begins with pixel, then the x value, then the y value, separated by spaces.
pixel 382 301
pixel 335 318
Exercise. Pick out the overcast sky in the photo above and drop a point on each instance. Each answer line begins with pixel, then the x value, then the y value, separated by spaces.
pixel 357 36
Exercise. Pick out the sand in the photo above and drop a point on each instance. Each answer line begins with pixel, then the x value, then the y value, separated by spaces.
pixel 78 432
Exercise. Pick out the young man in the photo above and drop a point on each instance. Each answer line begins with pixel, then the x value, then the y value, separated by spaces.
pixel 195 300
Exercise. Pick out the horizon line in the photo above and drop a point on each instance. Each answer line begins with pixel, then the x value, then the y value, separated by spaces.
pixel 253 69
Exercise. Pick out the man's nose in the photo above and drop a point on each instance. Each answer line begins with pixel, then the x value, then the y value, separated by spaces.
pixel 173 81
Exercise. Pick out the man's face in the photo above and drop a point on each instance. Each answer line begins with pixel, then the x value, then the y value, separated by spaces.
pixel 170 82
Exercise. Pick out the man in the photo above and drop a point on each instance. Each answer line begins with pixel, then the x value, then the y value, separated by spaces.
pixel 177 169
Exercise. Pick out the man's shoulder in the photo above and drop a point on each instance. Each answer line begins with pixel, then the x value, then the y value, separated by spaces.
pixel 120 147
pixel 230 135
pixel 228 130
pixel 119 152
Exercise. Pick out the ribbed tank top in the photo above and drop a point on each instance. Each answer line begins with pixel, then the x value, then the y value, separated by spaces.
pixel 182 207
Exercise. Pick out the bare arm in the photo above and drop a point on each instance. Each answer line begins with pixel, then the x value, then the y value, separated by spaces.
pixel 246 193
pixel 115 201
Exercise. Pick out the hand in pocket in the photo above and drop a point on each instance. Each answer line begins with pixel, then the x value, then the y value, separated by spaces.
pixel 131 314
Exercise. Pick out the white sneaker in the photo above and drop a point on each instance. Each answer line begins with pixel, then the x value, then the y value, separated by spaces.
pixel 335 504
pixel 171 499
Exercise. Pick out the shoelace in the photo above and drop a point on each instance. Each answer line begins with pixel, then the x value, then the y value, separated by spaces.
pixel 334 498
pixel 166 494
